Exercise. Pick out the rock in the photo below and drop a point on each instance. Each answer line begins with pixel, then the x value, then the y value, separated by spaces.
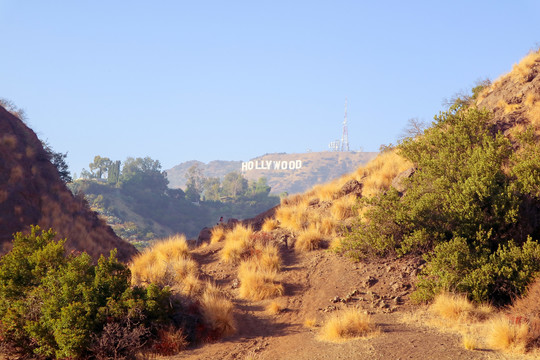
pixel 204 235
pixel 399 181
pixel 235 283
pixel 396 286
pixel 351 187
pixel 370 281
pixel 335 299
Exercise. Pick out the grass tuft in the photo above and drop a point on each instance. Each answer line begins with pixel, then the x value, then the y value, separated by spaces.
pixel 347 324
pixel 256 282
pixel 309 239
pixel 217 234
pixel 469 341
pixel 217 310
pixel 451 306
pixel 270 224
pixel 237 241
pixel 310 323
pixel 274 308
pixel 506 335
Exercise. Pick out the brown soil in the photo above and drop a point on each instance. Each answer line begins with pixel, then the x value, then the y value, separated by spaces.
pixel 317 284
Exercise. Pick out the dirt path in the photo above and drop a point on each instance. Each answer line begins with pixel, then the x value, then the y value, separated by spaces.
pixel 318 284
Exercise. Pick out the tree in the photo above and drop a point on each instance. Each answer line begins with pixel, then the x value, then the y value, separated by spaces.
pixel 113 174
pixel 195 183
pixel 144 173
pixel 234 184
pixel 100 166
pixel 13 109
pixel 59 161
pixel 415 127
pixel 212 189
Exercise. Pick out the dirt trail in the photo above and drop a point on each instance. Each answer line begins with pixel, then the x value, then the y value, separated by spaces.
pixel 317 284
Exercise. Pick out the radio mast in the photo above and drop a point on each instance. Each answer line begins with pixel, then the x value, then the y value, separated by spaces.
pixel 345 135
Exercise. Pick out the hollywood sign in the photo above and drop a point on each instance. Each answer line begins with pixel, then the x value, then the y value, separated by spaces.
pixel 271 165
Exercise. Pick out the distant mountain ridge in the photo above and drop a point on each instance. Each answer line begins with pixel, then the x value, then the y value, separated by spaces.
pixel 291 173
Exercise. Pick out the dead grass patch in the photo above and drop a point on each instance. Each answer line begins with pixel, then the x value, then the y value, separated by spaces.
pixel 217 234
pixel 270 224
pixel 343 207
pixel 309 239
pixel 237 241
pixel 274 308
pixel 455 308
pixel 347 324
pixel 378 174
pixel 521 70
pixel 310 323
pixel 469 341
pixel 166 263
pixel 258 283
pixel 508 336
pixel 217 310
pixel 293 217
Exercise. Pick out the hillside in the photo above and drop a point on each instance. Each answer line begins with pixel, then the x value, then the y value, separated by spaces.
pixel 143 213
pixel 316 168
pixel 32 193
pixel 454 209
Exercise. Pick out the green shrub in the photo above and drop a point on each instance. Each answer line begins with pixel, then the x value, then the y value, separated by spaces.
pixel 499 276
pixel 470 206
pixel 57 305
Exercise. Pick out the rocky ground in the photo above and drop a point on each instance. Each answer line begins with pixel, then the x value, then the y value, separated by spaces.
pixel 317 284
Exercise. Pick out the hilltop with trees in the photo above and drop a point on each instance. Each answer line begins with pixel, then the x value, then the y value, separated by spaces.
pixel 135 200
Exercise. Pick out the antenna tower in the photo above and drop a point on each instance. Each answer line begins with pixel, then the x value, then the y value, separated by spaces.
pixel 345 136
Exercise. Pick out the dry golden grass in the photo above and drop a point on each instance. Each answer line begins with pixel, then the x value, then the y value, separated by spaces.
pixel 270 224
pixel 217 310
pixel 507 108
pixel 336 243
pixel 451 306
pixel 326 192
pixel 293 217
pixel 309 239
pixel 274 308
pixel 291 200
pixel 327 226
pixel 521 70
pixel 469 341
pixel 343 207
pixel 257 283
pixel 378 174
pixel 457 308
pixel 237 241
pixel 190 285
pixel 166 263
pixel 508 336
pixel 217 234
pixel 347 324
pixel 310 323
pixel 533 114
pixel 267 256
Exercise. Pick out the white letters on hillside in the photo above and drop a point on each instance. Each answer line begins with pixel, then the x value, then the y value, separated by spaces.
pixel 271 165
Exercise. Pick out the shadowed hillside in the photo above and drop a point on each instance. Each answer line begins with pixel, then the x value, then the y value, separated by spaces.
pixel 31 193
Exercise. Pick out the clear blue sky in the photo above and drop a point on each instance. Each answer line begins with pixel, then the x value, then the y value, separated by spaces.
pixel 231 80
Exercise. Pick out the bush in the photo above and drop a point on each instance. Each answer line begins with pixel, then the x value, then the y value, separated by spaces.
pixel 470 207
pixel 60 306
